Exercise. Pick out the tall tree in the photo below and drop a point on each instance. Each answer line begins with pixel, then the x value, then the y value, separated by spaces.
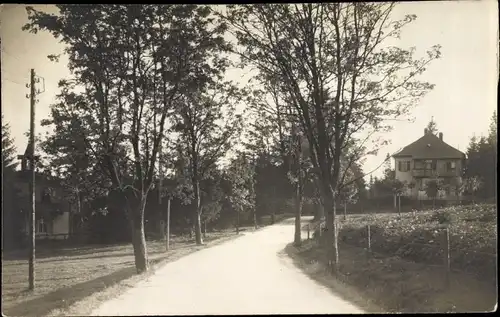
pixel 70 161
pixel 9 161
pixel 133 62
pixel 432 127
pixel 481 160
pixel 208 128
pixel 493 130
pixel 328 59
pixel 11 220
pixel 241 180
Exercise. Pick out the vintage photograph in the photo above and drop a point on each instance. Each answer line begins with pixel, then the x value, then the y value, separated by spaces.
pixel 249 159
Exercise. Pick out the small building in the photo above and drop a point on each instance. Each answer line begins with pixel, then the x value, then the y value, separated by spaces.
pixel 53 213
pixel 430 158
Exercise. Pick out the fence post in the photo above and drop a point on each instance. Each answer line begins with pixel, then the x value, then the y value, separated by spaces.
pixel 369 239
pixel 446 255
pixel 308 231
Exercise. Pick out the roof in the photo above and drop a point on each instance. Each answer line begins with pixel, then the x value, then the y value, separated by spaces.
pixel 429 146
pixel 28 150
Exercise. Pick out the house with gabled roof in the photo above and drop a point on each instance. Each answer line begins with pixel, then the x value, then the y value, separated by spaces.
pixel 430 158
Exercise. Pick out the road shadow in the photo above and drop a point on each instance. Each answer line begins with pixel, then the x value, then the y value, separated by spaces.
pixel 338 287
pixel 43 252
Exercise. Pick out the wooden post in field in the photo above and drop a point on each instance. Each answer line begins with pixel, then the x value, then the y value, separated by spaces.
pixel 255 220
pixel 237 221
pixel 399 204
pixel 168 226
pixel 369 238
pixel 446 256
pixel 345 211
pixel 308 231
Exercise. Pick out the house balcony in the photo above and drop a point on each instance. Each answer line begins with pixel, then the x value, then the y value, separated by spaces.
pixel 433 173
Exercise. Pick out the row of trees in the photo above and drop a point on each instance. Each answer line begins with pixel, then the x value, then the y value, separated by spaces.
pixel 9 164
pixel 148 87
pixel 481 162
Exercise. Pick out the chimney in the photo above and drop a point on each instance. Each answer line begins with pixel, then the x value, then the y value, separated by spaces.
pixel 425 131
pixel 441 136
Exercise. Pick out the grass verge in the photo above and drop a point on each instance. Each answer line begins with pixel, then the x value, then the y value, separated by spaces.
pixel 390 284
pixel 73 281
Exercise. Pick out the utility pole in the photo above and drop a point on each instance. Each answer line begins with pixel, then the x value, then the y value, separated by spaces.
pixel 31 158
pixel 32 219
pixel 168 225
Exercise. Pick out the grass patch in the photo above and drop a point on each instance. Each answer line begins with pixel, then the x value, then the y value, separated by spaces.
pixel 473 236
pixel 65 276
pixel 391 284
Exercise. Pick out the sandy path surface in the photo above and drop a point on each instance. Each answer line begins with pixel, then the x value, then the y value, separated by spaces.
pixel 248 275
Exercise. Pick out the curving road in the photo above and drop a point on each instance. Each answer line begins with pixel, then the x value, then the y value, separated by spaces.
pixel 248 275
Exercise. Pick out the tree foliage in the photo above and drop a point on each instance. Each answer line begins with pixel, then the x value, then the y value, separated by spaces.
pixel 342 82
pixel 9 161
pixel 208 127
pixel 131 65
pixel 432 127
pixel 481 163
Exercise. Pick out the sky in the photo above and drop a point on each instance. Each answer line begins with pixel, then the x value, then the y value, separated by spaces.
pixel 462 102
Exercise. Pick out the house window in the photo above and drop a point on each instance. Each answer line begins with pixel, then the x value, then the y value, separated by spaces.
pixel 41 227
pixel 430 165
pixel 418 165
pixel 404 166
pixel 450 166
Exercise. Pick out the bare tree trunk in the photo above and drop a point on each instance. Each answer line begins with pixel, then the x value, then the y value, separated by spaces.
pixel 161 229
pixel 298 212
pixel 335 237
pixel 167 236
pixel 139 238
pixel 197 228
pixel 399 205
pixel 237 221
pixel 331 241
pixel 255 219
pixel 197 215
pixel 321 210
pixel 204 229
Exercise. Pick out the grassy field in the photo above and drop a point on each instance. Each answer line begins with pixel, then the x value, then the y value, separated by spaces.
pixel 65 276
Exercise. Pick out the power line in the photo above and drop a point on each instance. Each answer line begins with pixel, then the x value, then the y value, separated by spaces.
pixel 13 81
pixel 9 54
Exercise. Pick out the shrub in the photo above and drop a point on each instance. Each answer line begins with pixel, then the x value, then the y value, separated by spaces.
pixel 442 217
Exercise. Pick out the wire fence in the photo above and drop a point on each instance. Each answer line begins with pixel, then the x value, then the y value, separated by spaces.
pixel 435 252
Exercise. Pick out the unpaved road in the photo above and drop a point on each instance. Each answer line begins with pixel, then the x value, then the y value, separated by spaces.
pixel 248 275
